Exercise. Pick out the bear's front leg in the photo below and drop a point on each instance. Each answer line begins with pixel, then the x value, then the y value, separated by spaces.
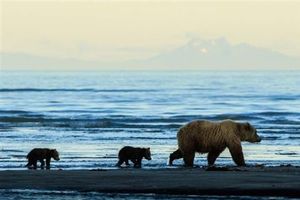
pixel 137 163
pixel 236 152
pixel 48 163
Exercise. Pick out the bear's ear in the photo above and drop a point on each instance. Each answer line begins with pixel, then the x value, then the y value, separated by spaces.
pixel 248 126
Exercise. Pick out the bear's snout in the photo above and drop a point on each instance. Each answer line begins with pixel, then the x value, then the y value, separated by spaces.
pixel 148 158
pixel 258 139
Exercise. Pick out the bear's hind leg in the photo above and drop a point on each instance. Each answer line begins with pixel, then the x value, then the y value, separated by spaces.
pixel 188 159
pixel 120 162
pixel 212 156
pixel 42 163
pixel 174 156
pixel 34 163
pixel 29 164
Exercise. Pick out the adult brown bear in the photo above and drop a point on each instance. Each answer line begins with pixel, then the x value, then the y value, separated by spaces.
pixel 213 137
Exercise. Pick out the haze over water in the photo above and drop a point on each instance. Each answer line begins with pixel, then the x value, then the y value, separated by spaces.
pixel 89 116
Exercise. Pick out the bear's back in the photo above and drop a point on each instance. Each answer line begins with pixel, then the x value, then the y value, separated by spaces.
pixel 204 125
pixel 205 134
pixel 198 126
pixel 131 152
pixel 38 153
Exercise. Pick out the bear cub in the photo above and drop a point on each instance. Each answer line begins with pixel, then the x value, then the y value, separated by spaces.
pixel 40 154
pixel 134 154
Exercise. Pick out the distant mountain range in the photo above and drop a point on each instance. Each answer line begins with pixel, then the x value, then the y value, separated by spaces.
pixel 194 55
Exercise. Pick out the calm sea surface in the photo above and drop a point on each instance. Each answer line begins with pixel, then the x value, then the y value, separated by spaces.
pixel 71 195
pixel 89 116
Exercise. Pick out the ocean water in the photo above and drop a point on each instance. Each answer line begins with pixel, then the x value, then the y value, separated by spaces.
pixel 73 195
pixel 89 116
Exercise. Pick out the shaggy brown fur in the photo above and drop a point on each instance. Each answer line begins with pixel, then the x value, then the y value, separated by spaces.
pixel 39 154
pixel 212 138
pixel 134 154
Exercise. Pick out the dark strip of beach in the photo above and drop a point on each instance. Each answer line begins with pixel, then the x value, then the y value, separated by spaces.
pixel 253 181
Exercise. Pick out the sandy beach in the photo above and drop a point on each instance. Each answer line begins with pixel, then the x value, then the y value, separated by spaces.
pixel 270 181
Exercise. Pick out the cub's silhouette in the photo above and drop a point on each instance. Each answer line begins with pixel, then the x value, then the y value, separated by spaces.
pixel 134 154
pixel 39 154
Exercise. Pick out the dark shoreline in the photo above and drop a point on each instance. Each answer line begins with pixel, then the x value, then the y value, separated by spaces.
pixel 254 181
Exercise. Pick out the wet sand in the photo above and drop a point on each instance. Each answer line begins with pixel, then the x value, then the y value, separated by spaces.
pixel 270 181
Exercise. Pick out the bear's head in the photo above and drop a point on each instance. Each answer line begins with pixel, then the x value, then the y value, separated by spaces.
pixel 248 133
pixel 54 154
pixel 147 153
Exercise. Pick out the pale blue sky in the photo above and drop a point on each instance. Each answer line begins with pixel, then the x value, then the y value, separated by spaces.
pixel 116 31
